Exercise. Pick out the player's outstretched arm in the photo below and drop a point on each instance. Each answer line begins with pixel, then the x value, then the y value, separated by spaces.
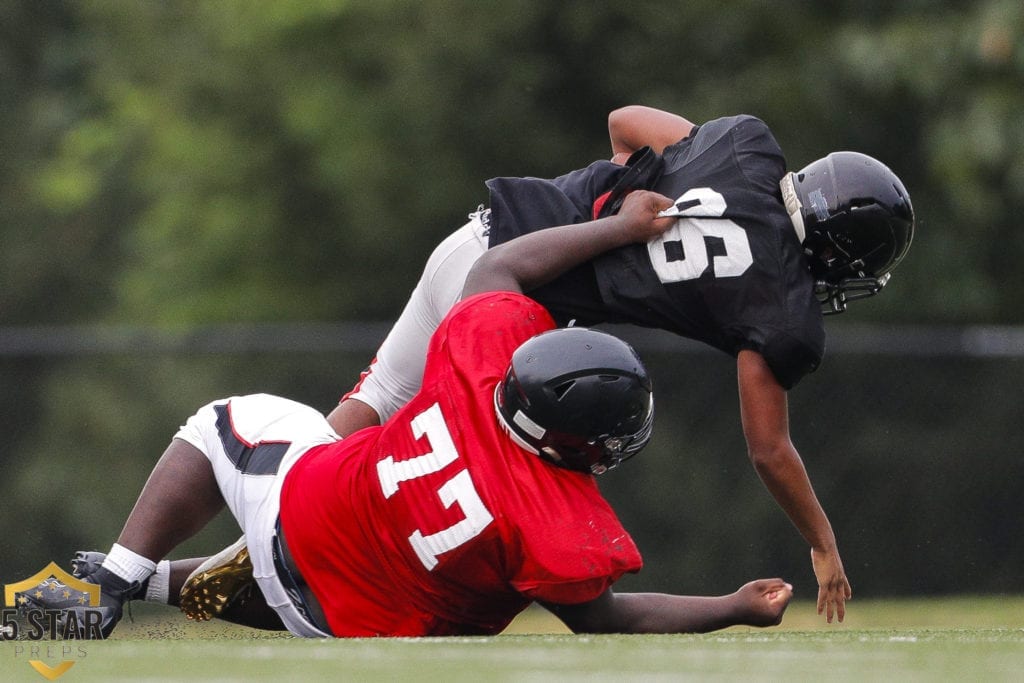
pixel 633 127
pixel 534 259
pixel 758 603
pixel 765 416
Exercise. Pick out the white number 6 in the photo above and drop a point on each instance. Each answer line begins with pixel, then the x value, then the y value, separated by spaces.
pixel 681 252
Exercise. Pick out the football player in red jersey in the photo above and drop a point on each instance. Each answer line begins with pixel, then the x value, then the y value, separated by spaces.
pixel 473 500
pixel 755 256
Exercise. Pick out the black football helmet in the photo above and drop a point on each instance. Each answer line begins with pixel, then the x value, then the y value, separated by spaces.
pixel 579 398
pixel 856 222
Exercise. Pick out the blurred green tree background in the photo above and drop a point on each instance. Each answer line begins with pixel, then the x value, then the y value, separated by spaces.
pixel 180 164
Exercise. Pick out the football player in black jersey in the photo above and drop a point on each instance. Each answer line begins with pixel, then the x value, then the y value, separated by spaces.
pixel 756 257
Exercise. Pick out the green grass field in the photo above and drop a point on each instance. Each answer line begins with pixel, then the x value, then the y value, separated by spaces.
pixel 962 639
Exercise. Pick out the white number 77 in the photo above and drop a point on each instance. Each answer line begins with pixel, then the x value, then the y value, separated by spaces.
pixel 459 489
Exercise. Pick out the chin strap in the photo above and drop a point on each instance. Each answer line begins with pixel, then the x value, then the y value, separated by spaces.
pixel 834 297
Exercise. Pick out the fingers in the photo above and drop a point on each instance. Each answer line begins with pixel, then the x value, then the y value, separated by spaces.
pixel 648 200
pixel 641 212
pixel 783 595
pixel 824 604
pixel 833 604
pixel 845 594
pixel 767 585
pixel 772 590
pixel 833 586
pixel 661 202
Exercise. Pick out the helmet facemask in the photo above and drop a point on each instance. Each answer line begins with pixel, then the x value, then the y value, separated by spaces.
pixel 598 454
pixel 841 273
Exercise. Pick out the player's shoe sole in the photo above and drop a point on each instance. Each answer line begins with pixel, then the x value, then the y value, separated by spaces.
pixel 218 583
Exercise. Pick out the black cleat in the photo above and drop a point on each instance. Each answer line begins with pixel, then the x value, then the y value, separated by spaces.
pixel 85 563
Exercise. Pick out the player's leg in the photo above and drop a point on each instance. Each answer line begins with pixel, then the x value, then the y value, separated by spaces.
pixel 394 376
pixel 229 451
pixel 231 594
pixel 251 442
pixel 179 498
pixel 254 442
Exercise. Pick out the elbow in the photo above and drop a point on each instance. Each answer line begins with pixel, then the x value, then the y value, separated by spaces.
pixel 491 272
pixel 620 122
pixel 771 455
pixel 616 115
pixel 624 113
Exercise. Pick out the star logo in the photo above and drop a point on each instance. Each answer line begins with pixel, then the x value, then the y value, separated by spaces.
pixel 52 579
pixel 48 597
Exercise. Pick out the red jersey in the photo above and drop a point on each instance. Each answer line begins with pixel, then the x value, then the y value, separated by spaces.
pixel 436 523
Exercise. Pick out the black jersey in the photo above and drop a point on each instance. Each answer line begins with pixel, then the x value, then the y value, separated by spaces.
pixel 730 273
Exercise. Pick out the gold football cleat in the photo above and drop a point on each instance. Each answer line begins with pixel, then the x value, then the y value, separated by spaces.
pixel 218 583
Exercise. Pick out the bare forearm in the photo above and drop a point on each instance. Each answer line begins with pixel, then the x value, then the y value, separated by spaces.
pixel 785 477
pixel 635 126
pixel 765 415
pixel 757 603
pixel 661 613
pixel 534 259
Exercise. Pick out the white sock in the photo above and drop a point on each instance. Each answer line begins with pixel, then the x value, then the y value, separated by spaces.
pixel 127 564
pixel 159 589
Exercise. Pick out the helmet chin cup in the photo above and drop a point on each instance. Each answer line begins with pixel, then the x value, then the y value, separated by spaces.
pixel 834 296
